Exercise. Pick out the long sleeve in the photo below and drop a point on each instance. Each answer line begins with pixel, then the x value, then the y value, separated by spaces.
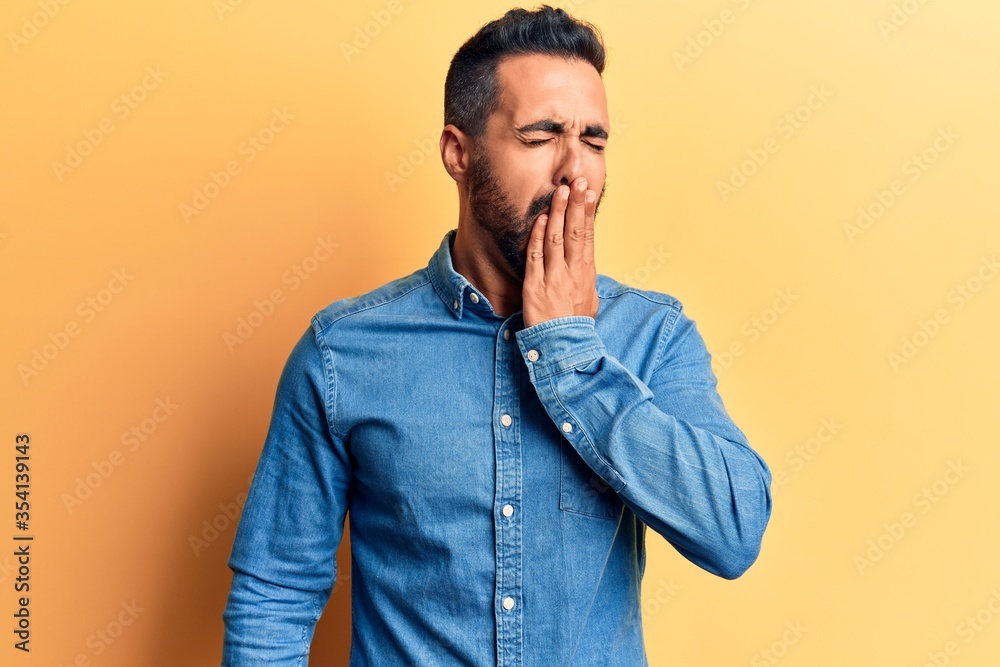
pixel 284 554
pixel 668 448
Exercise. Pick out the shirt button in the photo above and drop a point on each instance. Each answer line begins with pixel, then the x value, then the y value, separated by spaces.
pixel 567 427
pixel 508 603
pixel 507 510
pixel 506 334
pixel 473 297
pixel 455 304
pixel 533 355
pixel 506 420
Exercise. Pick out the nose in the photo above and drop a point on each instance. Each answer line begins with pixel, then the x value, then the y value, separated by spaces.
pixel 570 163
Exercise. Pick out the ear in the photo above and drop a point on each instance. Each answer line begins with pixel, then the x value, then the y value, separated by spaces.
pixel 456 147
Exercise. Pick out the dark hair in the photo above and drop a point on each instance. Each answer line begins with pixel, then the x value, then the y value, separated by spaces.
pixel 472 88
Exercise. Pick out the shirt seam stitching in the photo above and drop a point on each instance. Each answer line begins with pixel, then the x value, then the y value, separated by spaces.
pixel 668 329
pixel 665 300
pixel 329 368
pixel 323 329
pixel 569 362
pixel 330 385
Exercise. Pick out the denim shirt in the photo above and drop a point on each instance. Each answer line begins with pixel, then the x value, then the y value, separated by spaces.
pixel 498 479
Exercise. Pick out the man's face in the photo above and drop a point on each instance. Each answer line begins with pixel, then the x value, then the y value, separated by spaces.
pixel 551 128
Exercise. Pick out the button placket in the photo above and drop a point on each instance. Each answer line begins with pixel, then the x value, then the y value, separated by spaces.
pixel 507 497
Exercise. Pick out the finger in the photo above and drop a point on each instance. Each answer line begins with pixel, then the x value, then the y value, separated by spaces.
pixel 575 223
pixel 590 212
pixel 554 242
pixel 534 268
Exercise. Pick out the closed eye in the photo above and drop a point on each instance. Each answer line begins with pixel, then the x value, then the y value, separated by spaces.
pixel 539 142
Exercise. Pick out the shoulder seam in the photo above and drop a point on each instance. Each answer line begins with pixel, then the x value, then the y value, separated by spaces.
pixel 668 329
pixel 321 330
pixel 329 368
pixel 329 381
pixel 664 298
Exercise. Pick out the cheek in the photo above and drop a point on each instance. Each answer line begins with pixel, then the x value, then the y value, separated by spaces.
pixel 597 185
pixel 522 174
pixel 527 185
pixel 599 173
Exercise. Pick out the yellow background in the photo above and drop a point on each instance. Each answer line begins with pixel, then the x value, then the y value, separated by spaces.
pixel 895 77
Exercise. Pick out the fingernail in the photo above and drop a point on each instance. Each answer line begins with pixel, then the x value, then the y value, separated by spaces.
pixel 581 184
pixel 591 197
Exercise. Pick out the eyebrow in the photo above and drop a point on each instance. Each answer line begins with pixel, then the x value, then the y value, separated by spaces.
pixel 548 125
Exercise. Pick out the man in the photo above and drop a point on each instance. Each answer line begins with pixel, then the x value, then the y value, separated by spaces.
pixel 502 424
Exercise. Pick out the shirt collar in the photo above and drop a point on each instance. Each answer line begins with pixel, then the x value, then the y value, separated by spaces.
pixel 454 289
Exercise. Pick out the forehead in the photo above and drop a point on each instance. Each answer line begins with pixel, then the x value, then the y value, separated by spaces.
pixel 534 86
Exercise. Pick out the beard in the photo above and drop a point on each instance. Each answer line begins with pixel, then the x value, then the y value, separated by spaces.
pixel 495 214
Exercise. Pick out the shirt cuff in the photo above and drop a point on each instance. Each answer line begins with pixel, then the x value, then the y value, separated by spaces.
pixel 560 344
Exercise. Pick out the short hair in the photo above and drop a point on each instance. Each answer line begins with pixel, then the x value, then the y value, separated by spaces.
pixel 472 87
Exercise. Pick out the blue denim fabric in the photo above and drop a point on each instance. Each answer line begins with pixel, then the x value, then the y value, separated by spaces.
pixel 498 479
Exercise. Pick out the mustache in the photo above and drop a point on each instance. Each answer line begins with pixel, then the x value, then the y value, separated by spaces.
pixel 544 203
pixel 537 206
pixel 540 204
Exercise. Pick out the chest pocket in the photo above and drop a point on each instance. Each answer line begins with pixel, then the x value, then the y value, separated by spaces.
pixel 581 490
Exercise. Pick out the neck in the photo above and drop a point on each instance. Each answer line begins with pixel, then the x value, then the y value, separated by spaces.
pixel 478 261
